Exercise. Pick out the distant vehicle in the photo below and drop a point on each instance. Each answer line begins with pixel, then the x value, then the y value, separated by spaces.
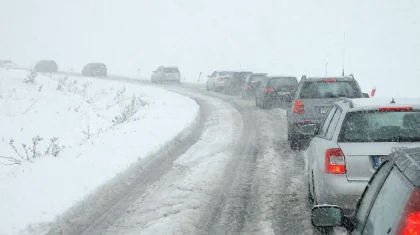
pixel 95 70
pixel 312 101
pixel 8 64
pixel 248 89
pixel 166 74
pixel 216 81
pixel 274 89
pixel 355 138
pixel 233 84
pixel 46 66
pixel 390 204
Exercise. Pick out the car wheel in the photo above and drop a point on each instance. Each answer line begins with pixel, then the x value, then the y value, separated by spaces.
pixel 207 87
pixel 214 87
pixel 295 141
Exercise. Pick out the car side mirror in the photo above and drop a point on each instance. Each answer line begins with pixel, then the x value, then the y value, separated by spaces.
pixel 327 216
pixel 365 95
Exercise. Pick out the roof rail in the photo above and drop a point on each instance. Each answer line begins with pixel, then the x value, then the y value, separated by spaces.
pixel 346 100
pixel 304 77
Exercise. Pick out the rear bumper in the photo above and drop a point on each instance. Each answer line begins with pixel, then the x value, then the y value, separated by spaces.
pixel 300 128
pixel 336 190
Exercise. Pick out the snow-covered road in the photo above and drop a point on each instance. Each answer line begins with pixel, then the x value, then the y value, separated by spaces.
pixel 238 177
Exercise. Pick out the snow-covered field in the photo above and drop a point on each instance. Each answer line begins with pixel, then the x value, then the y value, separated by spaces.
pixel 62 137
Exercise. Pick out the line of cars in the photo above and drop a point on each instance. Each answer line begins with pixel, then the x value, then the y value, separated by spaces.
pixel 50 66
pixel 363 153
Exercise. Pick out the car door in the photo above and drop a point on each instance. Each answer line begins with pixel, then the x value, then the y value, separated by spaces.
pixel 388 207
pixel 367 199
pixel 210 80
pixel 319 139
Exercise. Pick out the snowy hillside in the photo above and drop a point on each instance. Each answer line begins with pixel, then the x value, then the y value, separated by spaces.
pixel 62 137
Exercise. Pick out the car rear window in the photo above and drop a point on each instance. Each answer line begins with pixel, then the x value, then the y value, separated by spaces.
pixel 171 70
pixel 257 78
pixel 225 73
pixel 282 81
pixel 337 89
pixel 376 126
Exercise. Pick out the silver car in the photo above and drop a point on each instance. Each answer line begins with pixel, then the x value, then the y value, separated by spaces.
pixel 216 81
pixel 166 74
pixel 354 139
pixel 312 101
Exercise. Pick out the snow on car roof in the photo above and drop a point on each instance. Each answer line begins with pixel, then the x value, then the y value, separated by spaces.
pixel 381 102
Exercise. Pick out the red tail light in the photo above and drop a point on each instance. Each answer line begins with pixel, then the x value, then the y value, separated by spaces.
pixel 395 109
pixel 329 80
pixel 220 79
pixel 410 221
pixel 298 107
pixel 334 161
pixel 269 89
pixel 249 85
pixel 293 88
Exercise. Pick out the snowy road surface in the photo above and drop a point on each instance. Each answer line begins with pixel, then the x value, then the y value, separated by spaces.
pixel 239 176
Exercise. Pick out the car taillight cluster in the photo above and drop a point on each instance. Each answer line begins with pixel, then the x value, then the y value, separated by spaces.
pixel 269 90
pixel 410 221
pixel 298 107
pixel 220 79
pixel 334 161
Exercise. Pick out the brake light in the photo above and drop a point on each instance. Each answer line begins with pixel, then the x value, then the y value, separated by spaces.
pixel 329 80
pixel 334 161
pixel 249 85
pixel 220 79
pixel 298 107
pixel 410 221
pixel 269 89
pixel 391 109
pixel 293 88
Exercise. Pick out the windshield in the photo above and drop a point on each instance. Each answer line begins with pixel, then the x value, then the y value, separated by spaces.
pixel 322 90
pixel 257 78
pixel 171 70
pixel 375 126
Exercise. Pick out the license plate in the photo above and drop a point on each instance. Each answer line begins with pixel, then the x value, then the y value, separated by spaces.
pixel 377 161
pixel 323 110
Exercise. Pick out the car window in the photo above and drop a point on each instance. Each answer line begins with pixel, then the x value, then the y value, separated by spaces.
pixel 322 90
pixel 370 193
pixel 327 122
pixel 377 126
pixel 389 204
pixel 171 70
pixel 224 73
pixel 333 124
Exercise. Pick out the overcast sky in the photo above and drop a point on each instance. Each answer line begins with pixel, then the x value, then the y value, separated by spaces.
pixel 276 36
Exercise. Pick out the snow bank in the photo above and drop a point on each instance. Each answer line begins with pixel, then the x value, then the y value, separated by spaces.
pixel 85 131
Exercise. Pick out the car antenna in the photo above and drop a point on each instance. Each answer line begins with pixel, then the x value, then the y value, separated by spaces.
pixel 392 101
pixel 344 52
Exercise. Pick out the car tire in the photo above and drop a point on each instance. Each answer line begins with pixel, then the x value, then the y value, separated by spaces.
pixel 207 87
pixel 256 102
pixel 294 141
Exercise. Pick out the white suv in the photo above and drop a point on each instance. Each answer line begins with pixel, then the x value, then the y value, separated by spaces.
pixel 354 139
pixel 216 81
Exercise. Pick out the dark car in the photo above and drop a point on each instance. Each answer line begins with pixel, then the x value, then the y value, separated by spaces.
pixel 273 90
pixel 233 84
pixel 46 66
pixel 95 70
pixel 248 89
pixel 312 101
pixel 390 203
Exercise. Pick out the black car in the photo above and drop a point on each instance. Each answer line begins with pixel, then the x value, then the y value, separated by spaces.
pixel 233 84
pixel 95 70
pixel 248 89
pixel 390 203
pixel 46 66
pixel 273 90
